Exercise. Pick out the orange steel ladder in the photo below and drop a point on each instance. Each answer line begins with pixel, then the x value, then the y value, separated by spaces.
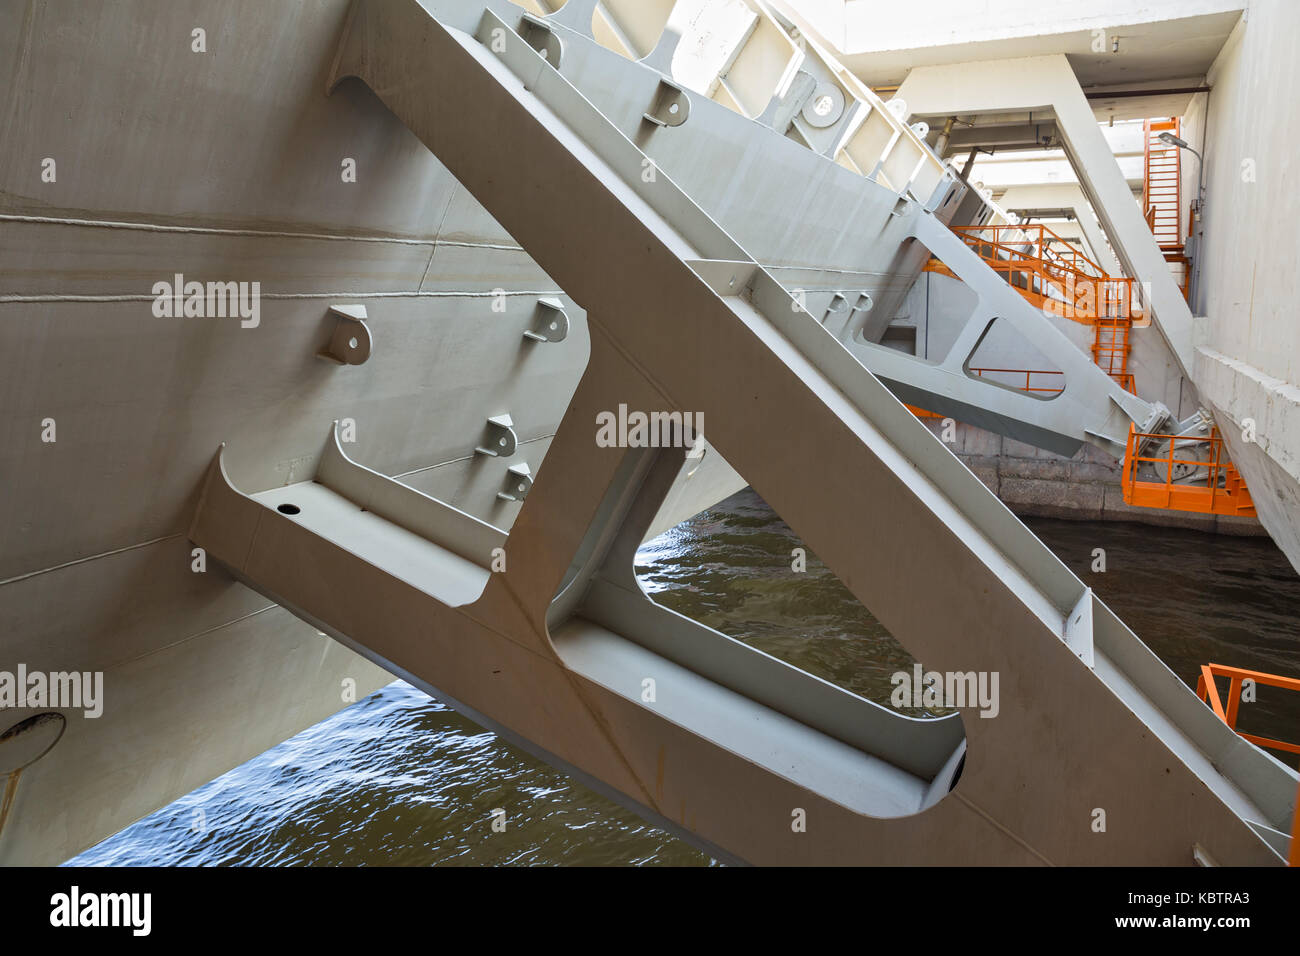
pixel 1110 349
pixel 1162 192
pixel 1161 183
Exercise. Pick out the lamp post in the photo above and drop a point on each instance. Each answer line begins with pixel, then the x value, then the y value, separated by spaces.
pixel 1198 205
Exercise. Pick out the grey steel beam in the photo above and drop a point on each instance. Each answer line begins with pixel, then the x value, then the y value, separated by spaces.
pixel 884 219
pixel 1091 407
pixel 1089 718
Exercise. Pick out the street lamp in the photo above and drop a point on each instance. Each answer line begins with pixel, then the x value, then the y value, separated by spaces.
pixel 1172 140
pixel 1197 207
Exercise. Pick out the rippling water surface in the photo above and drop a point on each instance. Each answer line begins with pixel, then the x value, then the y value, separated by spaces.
pixel 400 779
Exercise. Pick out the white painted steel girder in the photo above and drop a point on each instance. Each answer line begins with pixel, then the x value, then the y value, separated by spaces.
pixel 553 651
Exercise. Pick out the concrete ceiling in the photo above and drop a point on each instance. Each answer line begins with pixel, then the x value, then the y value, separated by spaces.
pixel 1158 39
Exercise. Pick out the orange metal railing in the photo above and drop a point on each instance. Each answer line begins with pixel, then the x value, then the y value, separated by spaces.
pixel 1048 271
pixel 1028 373
pixel 1035 243
pixel 1053 275
pixel 921 412
pixel 1219 490
pixel 1110 349
pixel 1208 691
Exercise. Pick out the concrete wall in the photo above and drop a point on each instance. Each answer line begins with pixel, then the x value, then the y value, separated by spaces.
pixel 1247 361
pixel 869 25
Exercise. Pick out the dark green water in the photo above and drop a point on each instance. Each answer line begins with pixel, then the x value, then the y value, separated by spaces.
pixel 400 779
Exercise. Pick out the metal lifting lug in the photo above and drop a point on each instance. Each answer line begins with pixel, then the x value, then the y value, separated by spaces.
pixel 670 106
pixel 350 341
pixel 519 481
pixel 837 304
pixel 550 322
pixel 499 439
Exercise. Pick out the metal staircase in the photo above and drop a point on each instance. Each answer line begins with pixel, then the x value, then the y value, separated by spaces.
pixel 1162 195
pixel 1184 473
pixel 1110 346
pixel 1051 275
pixel 1162 183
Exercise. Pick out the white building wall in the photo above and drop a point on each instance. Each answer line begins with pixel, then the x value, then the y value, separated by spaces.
pixel 1247 361
pixel 1249 274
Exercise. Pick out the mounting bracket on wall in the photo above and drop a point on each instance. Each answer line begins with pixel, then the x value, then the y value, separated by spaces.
pixel 350 341
pixel 1078 635
pixel 550 322
pixel 499 439
pixel 837 304
pixel 863 304
pixel 670 106
pixel 519 481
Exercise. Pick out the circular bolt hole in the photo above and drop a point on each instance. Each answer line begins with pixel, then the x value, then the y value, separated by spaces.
pixel 554 326
pixel 824 106
pixel 521 487
pixel 501 442
pixel 673 109
pixel 288 509
pixel 352 342
pixel 543 52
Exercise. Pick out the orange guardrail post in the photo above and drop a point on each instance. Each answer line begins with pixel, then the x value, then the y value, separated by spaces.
pixel 1206 686
pixel 1234 701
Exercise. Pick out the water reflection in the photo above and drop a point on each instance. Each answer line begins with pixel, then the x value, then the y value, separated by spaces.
pixel 731 569
pixel 399 779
